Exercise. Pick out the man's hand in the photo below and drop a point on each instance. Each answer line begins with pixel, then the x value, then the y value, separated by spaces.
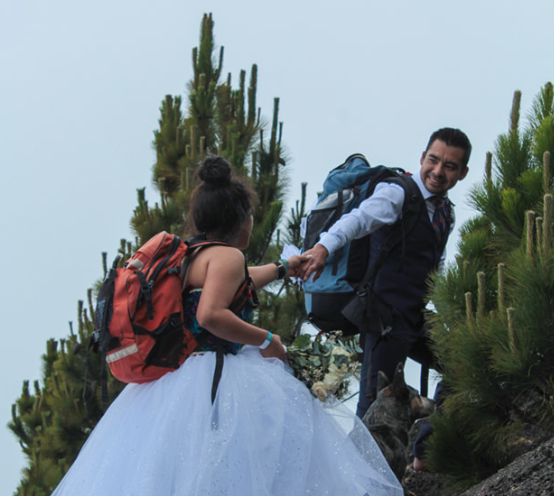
pixel 318 254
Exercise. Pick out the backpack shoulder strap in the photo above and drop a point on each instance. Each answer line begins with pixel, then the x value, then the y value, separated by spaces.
pixel 352 157
pixel 246 290
pixel 411 209
pixel 194 246
pixel 201 241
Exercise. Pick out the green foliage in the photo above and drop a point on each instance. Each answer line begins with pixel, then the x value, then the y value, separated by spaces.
pixel 281 309
pixel 53 423
pixel 512 157
pixel 492 364
pixel 294 236
pixel 476 238
pixel 494 326
pixel 461 464
pixel 543 106
pixel 544 139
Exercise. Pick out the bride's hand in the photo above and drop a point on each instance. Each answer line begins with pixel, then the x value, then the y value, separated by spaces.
pixel 275 349
pixel 294 263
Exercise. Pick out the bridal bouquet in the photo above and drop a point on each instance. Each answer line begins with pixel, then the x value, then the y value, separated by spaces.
pixel 324 363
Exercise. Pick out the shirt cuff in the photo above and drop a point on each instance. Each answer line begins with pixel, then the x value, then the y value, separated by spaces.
pixel 330 242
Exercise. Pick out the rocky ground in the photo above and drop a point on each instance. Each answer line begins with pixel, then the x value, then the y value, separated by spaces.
pixel 531 474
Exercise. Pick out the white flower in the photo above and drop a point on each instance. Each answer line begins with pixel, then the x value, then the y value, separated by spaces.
pixel 340 372
pixel 332 381
pixel 320 390
pixel 339 350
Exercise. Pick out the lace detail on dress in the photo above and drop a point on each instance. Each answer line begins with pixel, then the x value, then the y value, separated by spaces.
pixel 190 306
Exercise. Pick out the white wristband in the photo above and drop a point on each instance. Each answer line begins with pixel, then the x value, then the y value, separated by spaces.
pixel 268 339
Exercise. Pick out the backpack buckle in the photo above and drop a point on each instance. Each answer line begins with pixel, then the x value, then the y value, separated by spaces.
pixel 146 290
pixel 95 337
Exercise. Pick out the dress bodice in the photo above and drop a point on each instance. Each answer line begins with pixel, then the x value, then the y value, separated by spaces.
pixel 207 341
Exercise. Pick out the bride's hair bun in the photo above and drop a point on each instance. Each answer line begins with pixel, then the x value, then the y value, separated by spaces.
pixel 215 171
pixel 221 202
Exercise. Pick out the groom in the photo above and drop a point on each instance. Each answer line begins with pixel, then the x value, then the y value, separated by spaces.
pixel 401 283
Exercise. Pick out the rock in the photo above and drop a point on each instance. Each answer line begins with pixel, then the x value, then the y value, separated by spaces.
pixel 424 484
pixel 531 474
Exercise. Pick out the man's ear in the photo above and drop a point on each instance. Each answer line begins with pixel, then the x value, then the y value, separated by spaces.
pixel 422 158
pixel 464 172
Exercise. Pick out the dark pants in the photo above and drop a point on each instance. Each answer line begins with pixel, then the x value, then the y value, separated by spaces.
pixel 426 429
pixel 384 353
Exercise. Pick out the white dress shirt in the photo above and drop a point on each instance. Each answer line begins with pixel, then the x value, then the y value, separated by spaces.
pixel 383 207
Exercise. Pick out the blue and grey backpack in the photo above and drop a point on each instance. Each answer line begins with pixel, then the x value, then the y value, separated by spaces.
pixel 347 271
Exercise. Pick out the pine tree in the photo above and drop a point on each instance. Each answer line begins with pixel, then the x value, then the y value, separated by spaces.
pixel 494 327
pixel 223 121
pixel 52 422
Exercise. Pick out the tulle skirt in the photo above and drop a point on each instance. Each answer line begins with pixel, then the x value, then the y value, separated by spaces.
pixel 264 435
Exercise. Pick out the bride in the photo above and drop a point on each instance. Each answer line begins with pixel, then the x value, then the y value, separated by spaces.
pixel 264 433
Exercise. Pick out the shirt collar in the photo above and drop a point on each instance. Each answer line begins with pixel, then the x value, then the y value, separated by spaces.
pixel 424 191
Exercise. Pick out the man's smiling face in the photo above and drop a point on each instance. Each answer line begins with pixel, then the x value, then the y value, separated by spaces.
pixel 442 167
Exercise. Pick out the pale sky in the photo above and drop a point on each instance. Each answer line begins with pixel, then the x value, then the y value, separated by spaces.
pixel 81 85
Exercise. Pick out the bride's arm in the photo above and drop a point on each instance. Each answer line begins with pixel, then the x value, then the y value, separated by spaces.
pixel 264 274
pixel 224 274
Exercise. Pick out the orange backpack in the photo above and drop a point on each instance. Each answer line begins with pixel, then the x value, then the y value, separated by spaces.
pixel 139 315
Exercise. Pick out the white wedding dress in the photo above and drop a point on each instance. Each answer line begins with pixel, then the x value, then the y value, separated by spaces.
pixel 264 435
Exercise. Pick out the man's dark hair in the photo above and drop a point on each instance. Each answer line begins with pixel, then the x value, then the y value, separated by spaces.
pixel 452 137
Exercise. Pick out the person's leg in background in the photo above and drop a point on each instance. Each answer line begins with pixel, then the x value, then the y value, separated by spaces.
pixel 426 431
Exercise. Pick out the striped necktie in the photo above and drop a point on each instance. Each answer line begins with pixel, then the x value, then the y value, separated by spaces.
pixel 440 215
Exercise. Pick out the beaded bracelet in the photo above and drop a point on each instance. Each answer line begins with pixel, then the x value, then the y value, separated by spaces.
pixel 268 339
pixel 286 264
